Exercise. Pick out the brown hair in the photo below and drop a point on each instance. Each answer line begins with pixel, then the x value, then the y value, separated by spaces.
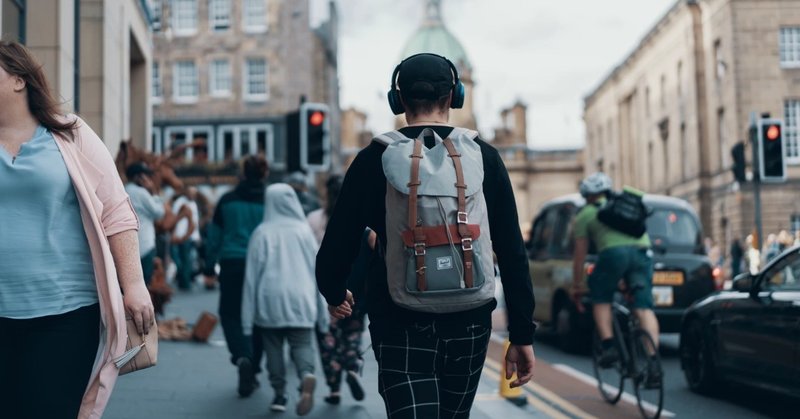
pixel 255 168
pixel 19 62
pixel 416 107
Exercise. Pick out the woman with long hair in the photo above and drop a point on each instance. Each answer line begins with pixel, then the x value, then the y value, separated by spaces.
pixel 68 252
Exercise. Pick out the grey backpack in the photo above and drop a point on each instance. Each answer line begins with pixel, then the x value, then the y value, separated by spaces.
pixel 438 250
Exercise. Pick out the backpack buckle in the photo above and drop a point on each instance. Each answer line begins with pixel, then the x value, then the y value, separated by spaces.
pixel 466 244
pixel 461 217
pixel 419 249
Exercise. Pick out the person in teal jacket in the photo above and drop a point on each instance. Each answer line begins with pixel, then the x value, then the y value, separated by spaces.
pixel 238 213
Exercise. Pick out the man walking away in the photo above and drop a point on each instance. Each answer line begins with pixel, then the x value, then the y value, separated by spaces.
pixel 431 346
pixel 237 214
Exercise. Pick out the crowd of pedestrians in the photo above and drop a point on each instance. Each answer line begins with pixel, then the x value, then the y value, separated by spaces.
pixel 269 247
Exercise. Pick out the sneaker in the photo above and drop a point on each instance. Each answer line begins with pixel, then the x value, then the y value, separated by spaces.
pixel 306 401
pixel 653 377
pixel 278 404
pixel 354 382
pixel 247 378
pixel 608 358
pixel 333 398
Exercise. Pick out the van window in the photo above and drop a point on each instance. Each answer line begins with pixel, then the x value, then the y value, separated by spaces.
pixel 672 227
pixel 563 240
pixel 543 234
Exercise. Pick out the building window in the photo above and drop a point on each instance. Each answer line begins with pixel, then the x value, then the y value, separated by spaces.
pixel 663 92
pixel 789 46
pixel 156 146
pixel 795 223
pixel 791 115
pixel 255 80
pixel 237 141
pixel 13 20
pixel 200 137
pixel 219 15
pixel 158 91
pixel 255 16
pixel 185 82
pixel 184 17
pixel 156 10
pixel 685 153
pixel 219 75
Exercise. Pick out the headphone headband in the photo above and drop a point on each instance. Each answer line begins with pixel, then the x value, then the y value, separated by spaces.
pixel 453 68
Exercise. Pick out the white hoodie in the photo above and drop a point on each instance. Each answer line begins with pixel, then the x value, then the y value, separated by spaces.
pixel 280 288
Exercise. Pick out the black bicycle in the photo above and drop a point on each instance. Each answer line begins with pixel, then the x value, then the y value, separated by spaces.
pixel 638 361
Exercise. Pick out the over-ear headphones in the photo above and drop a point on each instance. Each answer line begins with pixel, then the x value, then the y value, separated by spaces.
pixel 458 95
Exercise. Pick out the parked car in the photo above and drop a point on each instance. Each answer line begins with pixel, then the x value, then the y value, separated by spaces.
pixel 683 272
pixel 749 334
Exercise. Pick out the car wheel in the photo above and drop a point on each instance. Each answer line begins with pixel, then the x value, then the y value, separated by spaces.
pixel 567 328
pixel 698 366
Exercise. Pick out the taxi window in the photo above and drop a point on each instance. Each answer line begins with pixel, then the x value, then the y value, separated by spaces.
pixel 672 227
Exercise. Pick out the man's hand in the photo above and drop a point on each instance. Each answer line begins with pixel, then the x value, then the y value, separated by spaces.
pixel 345 309
pixel 576 293
pixel 520 359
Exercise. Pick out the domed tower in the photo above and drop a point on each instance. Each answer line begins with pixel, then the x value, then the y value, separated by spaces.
pixel 432 36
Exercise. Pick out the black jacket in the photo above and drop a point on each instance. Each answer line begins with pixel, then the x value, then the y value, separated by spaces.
pixel 361 204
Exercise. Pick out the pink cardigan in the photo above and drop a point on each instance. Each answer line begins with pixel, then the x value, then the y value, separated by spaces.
pixel 105 210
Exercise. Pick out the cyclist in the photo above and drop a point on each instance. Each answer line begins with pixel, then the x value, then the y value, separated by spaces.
pixel 620 256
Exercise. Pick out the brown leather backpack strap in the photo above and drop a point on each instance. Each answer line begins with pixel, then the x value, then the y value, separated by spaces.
pixel 461 215
pixel 413 198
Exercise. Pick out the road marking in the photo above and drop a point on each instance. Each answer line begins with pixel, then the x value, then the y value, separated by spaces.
pixel 588 379
pixel 546 395
pixel 537 403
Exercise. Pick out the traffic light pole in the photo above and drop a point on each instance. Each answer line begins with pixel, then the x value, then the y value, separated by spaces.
pixel 756 180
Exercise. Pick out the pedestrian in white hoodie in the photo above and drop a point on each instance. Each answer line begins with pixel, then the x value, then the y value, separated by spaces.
pixel 280 300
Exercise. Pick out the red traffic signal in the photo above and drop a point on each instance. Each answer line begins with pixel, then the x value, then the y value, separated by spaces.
pixel 773 132
pixel 317 118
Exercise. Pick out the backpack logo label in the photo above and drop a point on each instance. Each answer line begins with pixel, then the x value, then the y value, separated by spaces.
pixel 444 263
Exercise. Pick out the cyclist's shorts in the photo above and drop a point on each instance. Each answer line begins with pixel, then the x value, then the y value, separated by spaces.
pixel 634 264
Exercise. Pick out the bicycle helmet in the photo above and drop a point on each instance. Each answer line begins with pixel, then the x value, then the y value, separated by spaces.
pixel 596 183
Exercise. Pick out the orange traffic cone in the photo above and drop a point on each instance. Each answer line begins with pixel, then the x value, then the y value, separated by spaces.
pixel 514 395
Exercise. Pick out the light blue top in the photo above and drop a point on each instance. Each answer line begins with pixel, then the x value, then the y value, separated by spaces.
pixel 45 262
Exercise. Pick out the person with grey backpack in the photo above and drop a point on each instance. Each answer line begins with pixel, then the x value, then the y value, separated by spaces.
pixel 441 203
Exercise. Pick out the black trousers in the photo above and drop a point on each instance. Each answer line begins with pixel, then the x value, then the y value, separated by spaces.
pixel 339 349
pixel 231 284
pixel 46 363
pixel 429 369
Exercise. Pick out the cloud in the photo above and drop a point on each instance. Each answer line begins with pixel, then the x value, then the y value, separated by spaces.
pixel 547 54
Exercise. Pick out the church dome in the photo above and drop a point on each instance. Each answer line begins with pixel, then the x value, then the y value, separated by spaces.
pixel 433 37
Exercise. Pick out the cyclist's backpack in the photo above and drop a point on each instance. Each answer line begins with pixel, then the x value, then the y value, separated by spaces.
pixel 625 212
pixel 438 251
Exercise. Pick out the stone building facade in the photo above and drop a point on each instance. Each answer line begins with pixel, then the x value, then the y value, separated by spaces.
pixel 227 72
pixel 96 55
pixel 666 118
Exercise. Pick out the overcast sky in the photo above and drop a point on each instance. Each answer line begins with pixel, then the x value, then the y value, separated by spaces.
pixel 548 54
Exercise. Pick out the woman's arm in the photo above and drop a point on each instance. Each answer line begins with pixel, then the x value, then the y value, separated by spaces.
pixel 125 250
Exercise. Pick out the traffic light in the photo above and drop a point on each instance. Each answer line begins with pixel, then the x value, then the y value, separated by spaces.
pixel 314 136
pixel 772 164
pixel 737 152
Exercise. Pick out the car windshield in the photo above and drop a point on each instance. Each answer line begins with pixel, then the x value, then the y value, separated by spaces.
pixel 672 227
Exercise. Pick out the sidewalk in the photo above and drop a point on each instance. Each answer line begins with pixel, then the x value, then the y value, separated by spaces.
pixel 195 380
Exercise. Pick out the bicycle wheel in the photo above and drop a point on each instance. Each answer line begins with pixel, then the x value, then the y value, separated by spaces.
pixel 610 380
pixel 648 378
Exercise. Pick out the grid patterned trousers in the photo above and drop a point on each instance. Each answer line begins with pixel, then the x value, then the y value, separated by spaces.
pixel 430 369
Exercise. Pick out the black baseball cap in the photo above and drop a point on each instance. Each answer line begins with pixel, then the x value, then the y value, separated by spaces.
pixel 136 169
pixel 425 76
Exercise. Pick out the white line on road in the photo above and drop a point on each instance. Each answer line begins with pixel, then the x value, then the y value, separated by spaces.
pixel 588 379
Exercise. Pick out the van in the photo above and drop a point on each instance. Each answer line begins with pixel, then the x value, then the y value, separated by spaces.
pixel 682 271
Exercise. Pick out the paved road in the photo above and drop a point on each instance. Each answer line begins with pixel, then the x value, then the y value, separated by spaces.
pixel 196 381
pixel 733 403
